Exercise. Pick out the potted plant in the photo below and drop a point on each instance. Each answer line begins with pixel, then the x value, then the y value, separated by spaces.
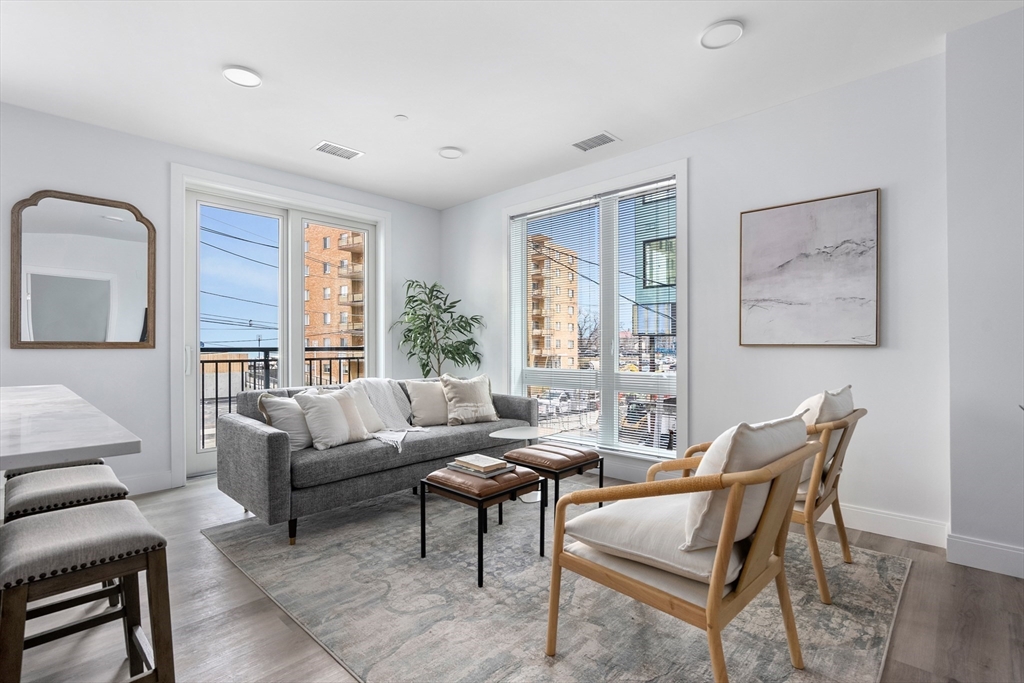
pixel 433 332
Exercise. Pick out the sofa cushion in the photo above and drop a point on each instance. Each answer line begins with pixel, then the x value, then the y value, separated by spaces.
pixel 311 467
pixel 429 406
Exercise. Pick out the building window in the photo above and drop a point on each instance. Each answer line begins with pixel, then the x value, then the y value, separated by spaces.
pixel 344 316
pixel 305 271
pixel 327 243
pixel 327 318
pixel 327 341
pixel 327 292
pixel 343 341
pixel 305 295
pixel 659 262
pixel 619 353
pixel 327 268
pixel 305 246
pixel 305 319
pixel 344 291
pixel 307 341
pixel 315 343
pixel 344 264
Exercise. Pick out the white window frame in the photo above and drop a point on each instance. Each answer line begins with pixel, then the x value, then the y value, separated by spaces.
pixel 327 292
pixel 380 342
pixel 609 383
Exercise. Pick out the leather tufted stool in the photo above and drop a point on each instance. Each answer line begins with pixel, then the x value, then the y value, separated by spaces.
pixel 480 493
pixel 39 491
pixel 60 551
pixel 557 462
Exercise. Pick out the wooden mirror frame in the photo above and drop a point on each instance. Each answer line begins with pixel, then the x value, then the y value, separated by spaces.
pixel 16 212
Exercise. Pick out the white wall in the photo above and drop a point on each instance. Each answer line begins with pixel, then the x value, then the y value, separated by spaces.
pixel 985 162
pixel 41 152
pixel 886 131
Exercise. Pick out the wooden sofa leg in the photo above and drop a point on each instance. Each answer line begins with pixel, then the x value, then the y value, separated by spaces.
pixel 292 525
pixel 13 604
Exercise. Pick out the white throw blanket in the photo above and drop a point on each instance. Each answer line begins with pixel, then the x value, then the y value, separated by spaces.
pixel 393 407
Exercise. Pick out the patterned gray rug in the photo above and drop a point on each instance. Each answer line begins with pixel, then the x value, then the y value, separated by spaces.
pixel 356 583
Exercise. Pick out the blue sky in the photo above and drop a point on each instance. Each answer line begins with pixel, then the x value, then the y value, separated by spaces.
pixel 228 239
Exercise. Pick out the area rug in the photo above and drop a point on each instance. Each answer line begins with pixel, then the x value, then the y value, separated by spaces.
pixel 355 582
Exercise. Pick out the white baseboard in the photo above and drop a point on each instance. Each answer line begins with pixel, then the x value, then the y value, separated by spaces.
pixel 994 557
pixel 916 529
pixel 149 482
pixel 627 468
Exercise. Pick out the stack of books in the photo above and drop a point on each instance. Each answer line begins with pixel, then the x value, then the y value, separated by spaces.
pixel 480 465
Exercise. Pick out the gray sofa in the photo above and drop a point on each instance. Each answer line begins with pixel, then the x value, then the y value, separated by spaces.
pixel 256 467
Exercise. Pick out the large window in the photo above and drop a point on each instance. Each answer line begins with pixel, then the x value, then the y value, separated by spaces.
pixel 605 267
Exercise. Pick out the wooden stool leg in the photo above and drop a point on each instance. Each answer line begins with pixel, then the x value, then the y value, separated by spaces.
pixel 543 495
pixel 132 618
pixel 789 620
pixel 501 519
pixel 113 600
pixel 160 615
pixel 837 515
pixel 819 568
pixel 13 605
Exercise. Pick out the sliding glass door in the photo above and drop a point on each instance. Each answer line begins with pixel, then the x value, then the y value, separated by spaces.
pixel 264 312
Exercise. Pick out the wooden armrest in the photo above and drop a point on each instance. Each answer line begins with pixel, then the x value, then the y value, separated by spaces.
pixel 698 448
pixel 672 465
pixel 837 424
pixel 710 482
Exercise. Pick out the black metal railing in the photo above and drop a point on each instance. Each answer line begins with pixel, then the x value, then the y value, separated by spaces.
pixel 225 371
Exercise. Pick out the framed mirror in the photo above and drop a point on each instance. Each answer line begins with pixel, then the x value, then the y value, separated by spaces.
pixel 83 273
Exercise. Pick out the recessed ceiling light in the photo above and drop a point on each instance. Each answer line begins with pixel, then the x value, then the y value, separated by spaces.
pixel 114 218
pixel 721 34
pixel 245 77
pixel 450 152
pixel 401 118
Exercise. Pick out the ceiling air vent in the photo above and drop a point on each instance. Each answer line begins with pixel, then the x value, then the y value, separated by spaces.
pixel 597 141
pixel 338 150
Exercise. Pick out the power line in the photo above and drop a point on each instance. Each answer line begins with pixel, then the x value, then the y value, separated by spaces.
pixel 235 237
pixel 214 246
pixel 232 225
pixel 250 301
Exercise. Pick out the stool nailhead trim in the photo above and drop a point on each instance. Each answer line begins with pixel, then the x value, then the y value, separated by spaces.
pixel 102 560
pixel 67 504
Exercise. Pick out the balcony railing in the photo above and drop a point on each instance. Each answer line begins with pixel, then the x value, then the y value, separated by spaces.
pixel 350 241
pixel 228 370
pixel 354 270
pixel 351 298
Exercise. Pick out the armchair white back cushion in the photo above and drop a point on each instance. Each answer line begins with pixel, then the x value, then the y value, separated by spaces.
pixel 741 448
pixel 825 407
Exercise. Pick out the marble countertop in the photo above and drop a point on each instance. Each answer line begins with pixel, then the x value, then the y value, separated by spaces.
pixel 50 424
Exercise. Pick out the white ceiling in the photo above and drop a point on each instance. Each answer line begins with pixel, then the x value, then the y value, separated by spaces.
pixel 512 83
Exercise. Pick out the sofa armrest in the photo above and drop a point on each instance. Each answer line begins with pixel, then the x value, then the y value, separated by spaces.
pixel 254 466
pixel 516 407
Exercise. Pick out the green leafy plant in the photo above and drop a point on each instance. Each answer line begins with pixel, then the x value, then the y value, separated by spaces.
pixel 434 332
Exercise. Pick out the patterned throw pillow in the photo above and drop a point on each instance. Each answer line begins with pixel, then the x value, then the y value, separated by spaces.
pixel 469 400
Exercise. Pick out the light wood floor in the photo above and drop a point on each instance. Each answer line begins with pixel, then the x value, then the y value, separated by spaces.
pixel 954 623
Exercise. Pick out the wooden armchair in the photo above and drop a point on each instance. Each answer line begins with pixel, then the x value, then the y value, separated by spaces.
pixel 812 501
pixel 709 605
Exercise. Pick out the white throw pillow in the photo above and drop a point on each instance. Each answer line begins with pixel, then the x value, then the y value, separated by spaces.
pixel 371 420
pixel 429 406
pixel 650 530
pixel 332 418
pixel 827 406
pixel 741 448
pixel 285 414
pixel 469 400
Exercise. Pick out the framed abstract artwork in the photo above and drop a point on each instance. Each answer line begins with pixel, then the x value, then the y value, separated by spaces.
pixel 809 272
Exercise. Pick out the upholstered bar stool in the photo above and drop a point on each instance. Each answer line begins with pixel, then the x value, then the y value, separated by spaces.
pixel 64 550
pixel 557 462
pixel 8 474
pixel 39 491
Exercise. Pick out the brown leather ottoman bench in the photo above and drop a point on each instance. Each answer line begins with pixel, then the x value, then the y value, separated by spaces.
pixel 481 493
pixel 557 462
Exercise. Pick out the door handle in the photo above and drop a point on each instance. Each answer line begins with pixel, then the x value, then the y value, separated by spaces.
pixel 188 360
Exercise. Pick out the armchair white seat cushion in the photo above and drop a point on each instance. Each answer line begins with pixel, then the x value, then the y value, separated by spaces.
pixel 695 592
pixel 650 531
pixel 741 448
pixel 828 406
